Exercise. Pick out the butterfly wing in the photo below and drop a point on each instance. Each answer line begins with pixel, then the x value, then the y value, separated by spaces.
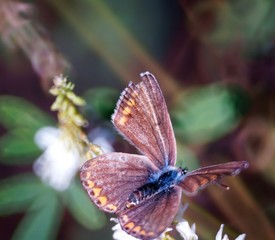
pixel 142 117
pixel 200 178
pixel 110 178
pixel 151 217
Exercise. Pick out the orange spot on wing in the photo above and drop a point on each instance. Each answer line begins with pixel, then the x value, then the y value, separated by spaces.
pixel 131 102
pixel 136 229
pixel 101 201
pixel 89 184
pixel 111 207
pixel 142 233
pixel 122 120
pixel 129 225
pixel 96 191
pixel 204 181
pixel 126 111
pixel 213 177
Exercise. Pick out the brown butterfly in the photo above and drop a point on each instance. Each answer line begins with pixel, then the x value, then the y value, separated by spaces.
pixel 145 190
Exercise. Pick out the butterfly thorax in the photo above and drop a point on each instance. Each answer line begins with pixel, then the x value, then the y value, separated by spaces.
pixel 159 182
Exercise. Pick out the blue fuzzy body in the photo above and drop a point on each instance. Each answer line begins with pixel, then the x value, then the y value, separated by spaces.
pixel 160 181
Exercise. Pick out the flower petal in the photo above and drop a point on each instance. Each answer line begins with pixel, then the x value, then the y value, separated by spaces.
pixel 185 231
pixel 219 233
pixel 58 164
pixel 45 136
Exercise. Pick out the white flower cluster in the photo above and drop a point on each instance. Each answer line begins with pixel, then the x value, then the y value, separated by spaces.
pixel 184 229
pixel 60 160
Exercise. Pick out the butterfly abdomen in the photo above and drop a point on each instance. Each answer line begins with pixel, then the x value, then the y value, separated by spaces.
pixel 141 194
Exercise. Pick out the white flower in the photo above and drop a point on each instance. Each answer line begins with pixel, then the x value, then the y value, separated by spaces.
pixel 183 227
pixel 225 237
pixel 120 234
pixel 187 232
pixel 60 161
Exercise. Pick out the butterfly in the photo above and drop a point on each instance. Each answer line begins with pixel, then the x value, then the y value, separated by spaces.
pixel 145 191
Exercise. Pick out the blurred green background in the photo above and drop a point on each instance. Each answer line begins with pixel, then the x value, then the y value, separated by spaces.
pixel 215 62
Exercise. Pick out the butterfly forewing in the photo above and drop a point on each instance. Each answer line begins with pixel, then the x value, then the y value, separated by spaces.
pixel 110 178
pixel 149 219
pixel 142 117
pixel 200 178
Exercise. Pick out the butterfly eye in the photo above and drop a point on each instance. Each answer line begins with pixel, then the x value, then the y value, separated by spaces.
pixel 184 171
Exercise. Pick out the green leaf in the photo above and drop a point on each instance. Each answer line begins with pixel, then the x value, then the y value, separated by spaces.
pixel 18 147
pixel 83 209
pixel 42 219
pixel 186 158
pixel 18 113
pixel 205 114
pixel 102 101
pixel 251 20
pixel 17 193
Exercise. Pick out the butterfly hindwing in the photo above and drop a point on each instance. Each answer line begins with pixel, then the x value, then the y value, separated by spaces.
pixel 200 178
pixel 150 218
pixel 142 117
pixel 110 178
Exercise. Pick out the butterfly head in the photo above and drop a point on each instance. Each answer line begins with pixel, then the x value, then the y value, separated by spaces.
pixel 171 176
pixel 184 171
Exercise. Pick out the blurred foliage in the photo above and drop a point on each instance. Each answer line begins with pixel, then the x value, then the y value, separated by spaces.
pixel 101 101
pixel 26 193
pixel 252 21
pixel 186 158
pixel 41 203
pixel 11 201
pixel 16 113
pixel 42 218
pixel 205 114
pixel 215 63
pixel 21 119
